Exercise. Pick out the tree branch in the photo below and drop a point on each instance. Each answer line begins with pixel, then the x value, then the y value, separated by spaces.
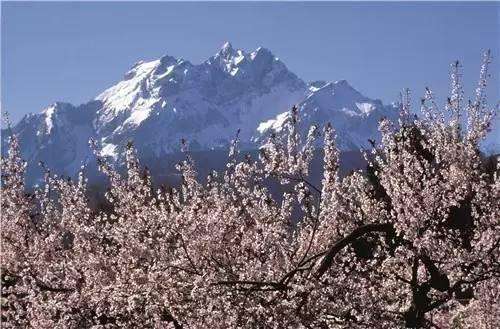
pixel 275 285
pixel 353 236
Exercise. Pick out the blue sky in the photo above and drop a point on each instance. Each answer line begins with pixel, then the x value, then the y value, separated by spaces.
pixel 71 51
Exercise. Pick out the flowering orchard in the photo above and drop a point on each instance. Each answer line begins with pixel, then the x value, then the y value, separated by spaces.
pixel 413 241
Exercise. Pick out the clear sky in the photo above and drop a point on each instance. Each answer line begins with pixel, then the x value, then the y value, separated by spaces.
pixel 72 51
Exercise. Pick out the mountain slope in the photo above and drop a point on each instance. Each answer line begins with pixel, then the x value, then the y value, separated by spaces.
pixel 354 116
pixel 159 102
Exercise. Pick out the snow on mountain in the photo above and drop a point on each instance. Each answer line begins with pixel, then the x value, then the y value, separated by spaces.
pixel 58 136
pixel 161 101
pixel 354 116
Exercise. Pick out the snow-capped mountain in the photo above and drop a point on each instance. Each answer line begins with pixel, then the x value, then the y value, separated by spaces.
pixel 159 102
pixel 354 116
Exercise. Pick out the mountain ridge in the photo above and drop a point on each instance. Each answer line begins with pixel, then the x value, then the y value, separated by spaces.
pixel 159 102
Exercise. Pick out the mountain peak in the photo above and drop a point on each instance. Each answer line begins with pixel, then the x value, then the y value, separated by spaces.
pixel 227 50
pixel 168 60
pixel 160 101
pixel 339 94
pixel 342 83
pixel 227 46
pixel 263 50
pixel 337 87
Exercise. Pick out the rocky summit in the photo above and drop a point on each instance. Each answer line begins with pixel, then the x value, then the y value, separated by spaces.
pixel 160 102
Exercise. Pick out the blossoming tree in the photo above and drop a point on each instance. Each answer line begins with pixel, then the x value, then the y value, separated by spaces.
pixel 413 241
